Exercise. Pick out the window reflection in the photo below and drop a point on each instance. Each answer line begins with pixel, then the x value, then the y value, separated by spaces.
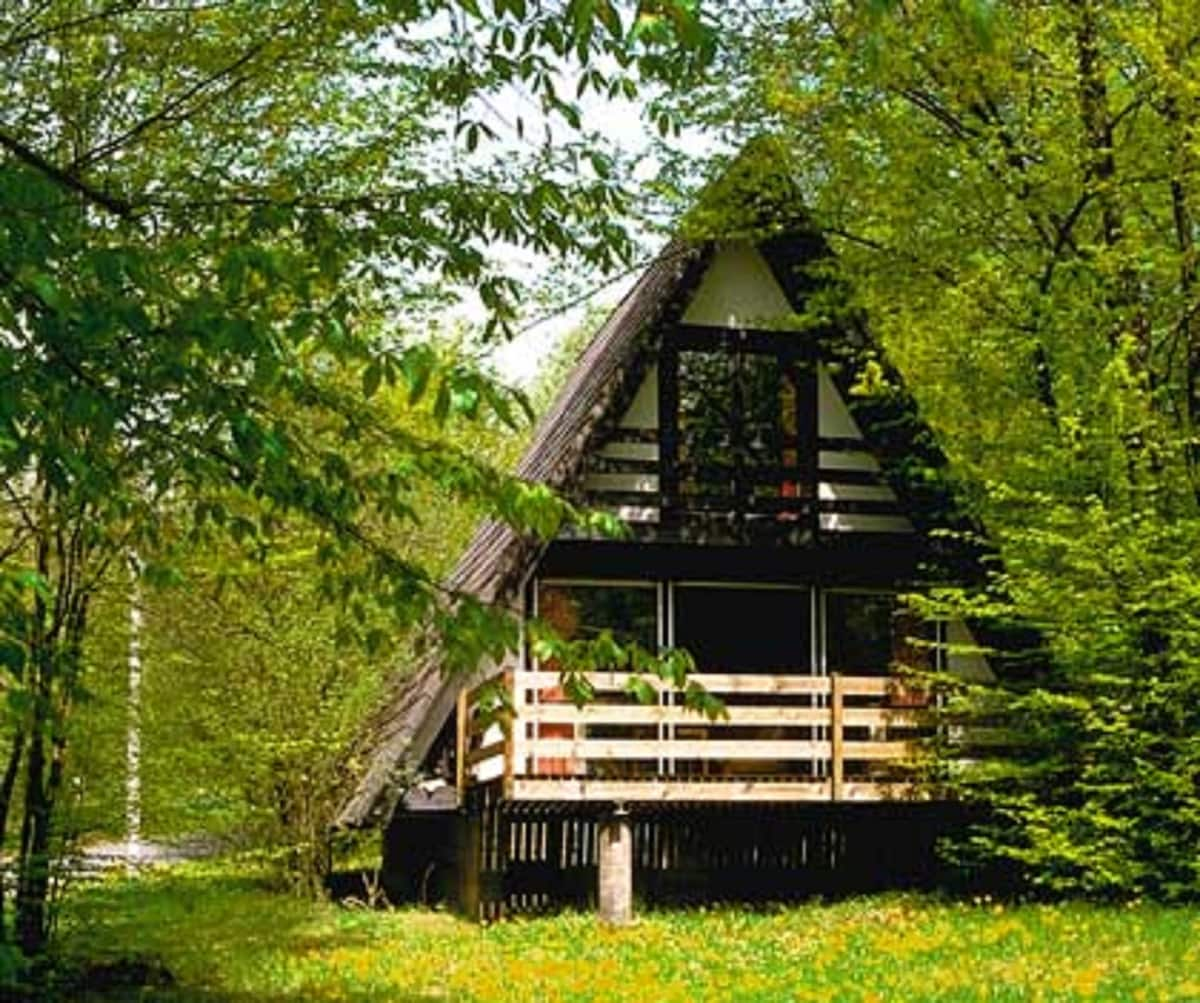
pixel 739 436
pixel 578 612
pixel 868 634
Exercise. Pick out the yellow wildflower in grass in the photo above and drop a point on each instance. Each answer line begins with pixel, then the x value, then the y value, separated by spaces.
pixel 1086 981
pixel 886 947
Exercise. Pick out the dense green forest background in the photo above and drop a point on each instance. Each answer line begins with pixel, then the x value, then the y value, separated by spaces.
pixel 1009 190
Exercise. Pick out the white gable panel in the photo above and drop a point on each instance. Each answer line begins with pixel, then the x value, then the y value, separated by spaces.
pixel 834 420
pixel 738 290
pixel 646 451
pixel 861 522
pixel 969 665
pixel 621 482
pixel 643 411
pixel 855 492
pixel 861 460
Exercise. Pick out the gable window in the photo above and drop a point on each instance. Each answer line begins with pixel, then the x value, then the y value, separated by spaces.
pixel 739 437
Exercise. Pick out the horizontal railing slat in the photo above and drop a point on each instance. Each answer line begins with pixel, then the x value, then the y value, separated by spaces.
pixel 595 749
pixel 634 714
pixel 670 790
pixel 877 750
pixel 721 682
pixel 734 715
pixel 885 717
pixel 485 752
pixel 868 686
pixel 716 683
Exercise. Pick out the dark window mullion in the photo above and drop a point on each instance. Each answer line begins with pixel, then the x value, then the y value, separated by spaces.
pixel 807 429
pixel 668 447
pixel 737 437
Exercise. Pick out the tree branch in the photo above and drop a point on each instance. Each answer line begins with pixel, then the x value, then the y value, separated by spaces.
pixel 66 178
pixel 48 31
pixel 170 107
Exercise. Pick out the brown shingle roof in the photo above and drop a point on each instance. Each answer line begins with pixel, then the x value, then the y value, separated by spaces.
pixel 498 558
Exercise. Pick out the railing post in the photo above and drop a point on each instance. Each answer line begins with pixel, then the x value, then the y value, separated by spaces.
pixel 460 745
pixel 835 735
pixel 510 726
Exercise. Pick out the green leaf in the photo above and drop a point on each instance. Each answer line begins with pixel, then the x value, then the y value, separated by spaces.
pixel 371 378
pixel 641 690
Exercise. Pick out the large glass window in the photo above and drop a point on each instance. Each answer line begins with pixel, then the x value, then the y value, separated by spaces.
pixel 578 611
pixel 630 612
pixel 745 630
pixel 866 635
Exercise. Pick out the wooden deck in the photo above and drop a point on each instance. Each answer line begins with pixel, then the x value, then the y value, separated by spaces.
pixel 783 738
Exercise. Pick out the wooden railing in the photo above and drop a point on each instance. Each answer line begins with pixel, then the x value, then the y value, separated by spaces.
pixel 781 737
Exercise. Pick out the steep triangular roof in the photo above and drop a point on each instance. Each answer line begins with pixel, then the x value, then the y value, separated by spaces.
pixel 497 558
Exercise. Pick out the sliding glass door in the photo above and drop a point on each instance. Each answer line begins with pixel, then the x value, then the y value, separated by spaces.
pixel 869 634
pixel 578 610
pixel 581 610
pixel 744 629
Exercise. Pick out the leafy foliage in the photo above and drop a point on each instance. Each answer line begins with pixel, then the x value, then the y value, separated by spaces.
pixel 221 227
pixel 1009 192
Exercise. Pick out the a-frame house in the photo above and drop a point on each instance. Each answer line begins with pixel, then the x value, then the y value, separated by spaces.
pixel 778 501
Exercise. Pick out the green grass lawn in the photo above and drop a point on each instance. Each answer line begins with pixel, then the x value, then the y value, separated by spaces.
pixel 226 936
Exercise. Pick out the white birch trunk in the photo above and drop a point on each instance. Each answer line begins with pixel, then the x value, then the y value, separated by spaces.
pixel 133 727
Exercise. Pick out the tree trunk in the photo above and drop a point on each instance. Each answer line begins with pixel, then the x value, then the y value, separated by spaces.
pixel 33 863
pixel 55 657
pixel 7 785
pixel 1101 170
pixel 1097 121
pixel 33 885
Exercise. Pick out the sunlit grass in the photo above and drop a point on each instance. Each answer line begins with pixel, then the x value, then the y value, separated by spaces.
pixel 226 936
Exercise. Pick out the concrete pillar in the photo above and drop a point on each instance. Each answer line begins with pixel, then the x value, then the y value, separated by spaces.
pixel 616 867
pixel 470 852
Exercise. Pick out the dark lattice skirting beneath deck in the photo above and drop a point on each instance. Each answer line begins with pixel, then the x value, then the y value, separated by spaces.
pixel 542 857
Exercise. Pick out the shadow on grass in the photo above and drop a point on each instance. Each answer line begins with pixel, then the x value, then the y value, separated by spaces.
pixel 213 932
pixel 148 995
pixel 145 994
pixel 149 980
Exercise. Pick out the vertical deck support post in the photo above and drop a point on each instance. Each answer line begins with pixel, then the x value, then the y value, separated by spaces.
pixel 461 744
pixel 835 735
pixel 510 726
pixel 615 852
pixel 470 862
